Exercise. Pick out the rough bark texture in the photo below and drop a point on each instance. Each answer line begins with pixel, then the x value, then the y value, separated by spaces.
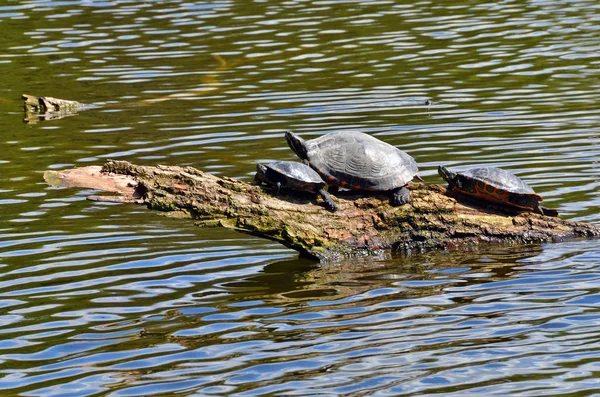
pixel 363 225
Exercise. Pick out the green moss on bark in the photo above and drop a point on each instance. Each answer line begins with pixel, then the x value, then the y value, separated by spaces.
pixel 363 225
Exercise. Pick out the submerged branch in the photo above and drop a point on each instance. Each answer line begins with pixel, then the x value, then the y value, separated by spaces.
pixel 48 108
pixel 363 225
pixel 47 104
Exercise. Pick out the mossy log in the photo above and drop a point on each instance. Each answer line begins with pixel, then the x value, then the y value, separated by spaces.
pixel 363 225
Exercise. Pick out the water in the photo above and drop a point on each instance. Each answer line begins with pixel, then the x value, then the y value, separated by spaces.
pixel 114 300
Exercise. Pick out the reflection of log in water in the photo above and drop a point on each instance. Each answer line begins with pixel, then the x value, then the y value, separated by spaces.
pixel 407 286
pixel 430 271
pixel 363 225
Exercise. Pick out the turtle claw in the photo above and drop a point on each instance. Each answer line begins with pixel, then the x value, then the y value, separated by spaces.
pixel 329 203
pixel 400 196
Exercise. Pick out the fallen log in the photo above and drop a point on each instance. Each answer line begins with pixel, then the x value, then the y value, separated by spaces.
pixel 363 224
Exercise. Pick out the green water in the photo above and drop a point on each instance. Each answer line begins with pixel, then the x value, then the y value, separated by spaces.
pixel 114 300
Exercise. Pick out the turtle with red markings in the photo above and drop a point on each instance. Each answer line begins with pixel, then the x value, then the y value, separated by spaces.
pixel 357 161
pixel 496 185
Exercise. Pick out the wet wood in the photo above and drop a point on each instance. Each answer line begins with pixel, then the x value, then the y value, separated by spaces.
pixel 47 108
pixel 363 225
pixel 47 104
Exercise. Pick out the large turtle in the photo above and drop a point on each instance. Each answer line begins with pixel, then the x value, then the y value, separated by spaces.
pixel 295 176
pixel 354 160
pixel 495 185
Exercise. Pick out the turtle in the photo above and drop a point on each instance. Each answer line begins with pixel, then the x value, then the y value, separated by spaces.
pixel 496 185
pixel 358 161
pixel 293 175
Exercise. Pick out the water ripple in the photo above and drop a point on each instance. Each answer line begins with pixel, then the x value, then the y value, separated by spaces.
pixel 111 300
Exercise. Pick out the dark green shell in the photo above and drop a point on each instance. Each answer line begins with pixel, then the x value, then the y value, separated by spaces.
pixel 294 175
pixel 356 160
pixel 493 184
pixel 497 178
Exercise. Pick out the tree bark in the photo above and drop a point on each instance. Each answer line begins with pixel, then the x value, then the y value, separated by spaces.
pixel 365 224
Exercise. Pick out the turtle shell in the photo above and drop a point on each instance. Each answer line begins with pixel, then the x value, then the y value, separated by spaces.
pixel 294 175
pixel 355 160
pixel 496 185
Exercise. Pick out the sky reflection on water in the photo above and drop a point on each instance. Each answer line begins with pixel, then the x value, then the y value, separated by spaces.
pixel 112 300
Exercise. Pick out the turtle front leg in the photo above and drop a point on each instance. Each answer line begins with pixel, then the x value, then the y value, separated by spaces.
pixel 400 196
pixel 329 203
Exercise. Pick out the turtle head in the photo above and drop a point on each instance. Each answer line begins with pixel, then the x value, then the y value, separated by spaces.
pixel 447 175
pixel 297 144
pixel 261 174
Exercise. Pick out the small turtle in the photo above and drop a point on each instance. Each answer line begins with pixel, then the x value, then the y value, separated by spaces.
pixel 357 161
pixel 295 176
pixel 495 185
